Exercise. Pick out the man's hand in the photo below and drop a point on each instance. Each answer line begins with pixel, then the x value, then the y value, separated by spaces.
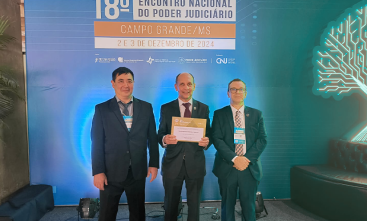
pixel 100 180
pixel 153 171
pixel 204 142
pixel 241 163
pixel 170 139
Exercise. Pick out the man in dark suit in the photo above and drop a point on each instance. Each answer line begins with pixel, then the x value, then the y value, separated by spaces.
pixel 239 136
pixel 122 130
pixel 183 160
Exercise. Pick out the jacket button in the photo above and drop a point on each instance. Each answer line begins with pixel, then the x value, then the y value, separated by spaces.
pixel 127 151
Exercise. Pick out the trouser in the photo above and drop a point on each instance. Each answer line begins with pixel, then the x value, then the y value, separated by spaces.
pixel 110 198
pixel 247 186
pixel 173 187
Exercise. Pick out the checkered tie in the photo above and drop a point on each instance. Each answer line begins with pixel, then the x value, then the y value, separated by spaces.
pixel 239 147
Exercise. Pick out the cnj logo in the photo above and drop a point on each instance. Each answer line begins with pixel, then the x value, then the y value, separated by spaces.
pixel 225 60
pixel 222 60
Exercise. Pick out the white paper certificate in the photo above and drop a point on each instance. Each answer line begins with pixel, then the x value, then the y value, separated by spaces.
pixel 190 134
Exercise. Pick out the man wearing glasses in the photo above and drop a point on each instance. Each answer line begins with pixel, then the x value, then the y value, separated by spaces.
pixel 239 135
pixel 122 130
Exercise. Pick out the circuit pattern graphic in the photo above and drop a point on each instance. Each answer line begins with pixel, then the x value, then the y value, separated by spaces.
pixel 340 62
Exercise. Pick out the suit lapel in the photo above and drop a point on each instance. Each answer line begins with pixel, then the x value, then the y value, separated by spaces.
pixel 229 115
pixel 247 115
pixel 247 119
pixel 116 110
pixel 176 109
pixel 136 111
pixel 194 111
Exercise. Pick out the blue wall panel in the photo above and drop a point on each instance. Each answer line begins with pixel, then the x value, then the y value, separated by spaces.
pixel 273 55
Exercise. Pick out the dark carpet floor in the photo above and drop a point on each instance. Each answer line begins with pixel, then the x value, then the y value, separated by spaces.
pixel 279 210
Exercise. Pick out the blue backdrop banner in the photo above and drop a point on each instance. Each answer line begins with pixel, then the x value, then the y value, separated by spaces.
pixel 72 47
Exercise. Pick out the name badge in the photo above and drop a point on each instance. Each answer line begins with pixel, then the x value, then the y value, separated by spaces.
pixel 128 121
pixel 239 135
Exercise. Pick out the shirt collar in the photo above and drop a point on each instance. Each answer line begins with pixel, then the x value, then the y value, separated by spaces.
pixel 242 109
pixel 180 102
pixel 118 100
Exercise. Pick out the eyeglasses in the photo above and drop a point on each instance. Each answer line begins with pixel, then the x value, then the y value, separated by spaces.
pixel 235 90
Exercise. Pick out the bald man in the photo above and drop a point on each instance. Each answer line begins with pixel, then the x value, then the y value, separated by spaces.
pixel 183 161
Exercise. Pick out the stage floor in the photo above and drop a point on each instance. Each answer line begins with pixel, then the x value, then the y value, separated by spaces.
pixel 279 210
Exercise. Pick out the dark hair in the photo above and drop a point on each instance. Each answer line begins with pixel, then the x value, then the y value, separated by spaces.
pixel 237 79
pixel 193 80
pixel 121 70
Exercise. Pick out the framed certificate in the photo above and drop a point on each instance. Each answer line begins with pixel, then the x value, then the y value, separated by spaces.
pixel 188 129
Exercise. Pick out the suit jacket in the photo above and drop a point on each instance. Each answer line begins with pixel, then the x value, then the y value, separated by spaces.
pixel 114 147
pixel 174 153
pixel 223 140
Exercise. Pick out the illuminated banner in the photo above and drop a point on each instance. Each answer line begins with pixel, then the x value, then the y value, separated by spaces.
pixel 74 45
pixel 72 49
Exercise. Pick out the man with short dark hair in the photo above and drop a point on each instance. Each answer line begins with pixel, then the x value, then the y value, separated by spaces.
pixel 183 161
pixel 122 130
pixel 239 135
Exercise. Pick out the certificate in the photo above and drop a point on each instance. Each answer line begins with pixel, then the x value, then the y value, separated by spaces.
pixel 188 129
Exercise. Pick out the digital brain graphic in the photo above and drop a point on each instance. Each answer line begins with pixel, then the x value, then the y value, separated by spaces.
pixel 340 63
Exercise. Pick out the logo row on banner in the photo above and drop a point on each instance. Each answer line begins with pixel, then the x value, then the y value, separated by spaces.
pixel 181 60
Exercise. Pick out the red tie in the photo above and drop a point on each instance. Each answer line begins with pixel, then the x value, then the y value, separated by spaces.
pixel 187 109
